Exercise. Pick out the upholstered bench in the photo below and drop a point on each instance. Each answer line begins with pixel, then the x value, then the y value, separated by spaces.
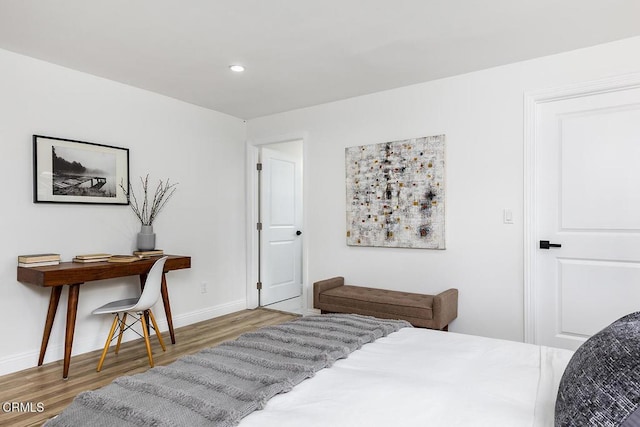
pixel 426 311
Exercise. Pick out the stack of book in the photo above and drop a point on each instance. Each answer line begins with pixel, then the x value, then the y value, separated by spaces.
pixel 124 258
pixel 38 260
pixel 91 258
pixel 154 252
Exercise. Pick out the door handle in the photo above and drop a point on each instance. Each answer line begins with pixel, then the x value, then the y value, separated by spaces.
pixel 544 244
pixel 298 233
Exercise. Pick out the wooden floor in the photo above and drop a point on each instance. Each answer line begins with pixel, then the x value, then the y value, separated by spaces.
pixel 44 385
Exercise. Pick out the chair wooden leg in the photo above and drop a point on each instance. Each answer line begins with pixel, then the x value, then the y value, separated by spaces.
pixel 155 328
pixel 123 325
pixel 145 331
pixel 106 345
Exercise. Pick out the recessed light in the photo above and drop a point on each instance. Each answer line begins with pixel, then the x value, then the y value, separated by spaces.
pixel 236 68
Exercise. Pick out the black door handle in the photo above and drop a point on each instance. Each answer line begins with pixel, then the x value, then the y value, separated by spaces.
pixel 544 244
pixel 298 233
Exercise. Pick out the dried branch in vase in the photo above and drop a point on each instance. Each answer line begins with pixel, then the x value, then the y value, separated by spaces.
pixel 149 210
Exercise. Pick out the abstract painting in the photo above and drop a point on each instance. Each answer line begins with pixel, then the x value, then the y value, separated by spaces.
pixel 396 194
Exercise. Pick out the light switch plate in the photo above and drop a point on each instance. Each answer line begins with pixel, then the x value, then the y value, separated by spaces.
pixel 507 215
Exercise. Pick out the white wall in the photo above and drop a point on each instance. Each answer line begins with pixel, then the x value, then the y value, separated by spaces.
pixel 481 114
pixel 201 149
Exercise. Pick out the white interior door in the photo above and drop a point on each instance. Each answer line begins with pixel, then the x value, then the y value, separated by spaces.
pixel 281 236
pixel 587 194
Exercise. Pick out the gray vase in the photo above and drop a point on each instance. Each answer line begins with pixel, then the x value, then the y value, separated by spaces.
pixel 146 238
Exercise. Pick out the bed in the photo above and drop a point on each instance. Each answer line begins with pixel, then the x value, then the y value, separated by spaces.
pixel 391 374
pixel 420 377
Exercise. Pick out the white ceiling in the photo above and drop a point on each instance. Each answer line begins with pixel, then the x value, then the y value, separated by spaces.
pixel 300 53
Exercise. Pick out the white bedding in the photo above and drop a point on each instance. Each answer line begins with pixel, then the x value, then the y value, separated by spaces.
pixel 421 377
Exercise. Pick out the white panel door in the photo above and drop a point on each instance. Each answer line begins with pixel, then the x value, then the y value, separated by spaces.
pixel 588 201
pixel 281 236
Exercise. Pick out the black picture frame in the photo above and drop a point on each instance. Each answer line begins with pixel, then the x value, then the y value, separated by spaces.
pixel 71 171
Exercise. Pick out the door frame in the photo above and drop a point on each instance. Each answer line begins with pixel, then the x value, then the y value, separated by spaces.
pixel 252 156
pixel 532 103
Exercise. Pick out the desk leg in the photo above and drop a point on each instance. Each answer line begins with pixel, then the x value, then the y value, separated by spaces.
pixel 167 307
pixel 51 315
pixel 72 308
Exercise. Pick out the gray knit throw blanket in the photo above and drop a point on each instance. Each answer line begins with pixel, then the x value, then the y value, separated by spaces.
pixel 218 386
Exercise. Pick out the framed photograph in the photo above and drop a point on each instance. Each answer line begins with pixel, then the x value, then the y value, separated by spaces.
pixel 68 171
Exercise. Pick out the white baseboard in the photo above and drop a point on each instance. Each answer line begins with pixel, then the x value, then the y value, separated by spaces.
pixel 201 315
pixel 55 350
pixel 18 362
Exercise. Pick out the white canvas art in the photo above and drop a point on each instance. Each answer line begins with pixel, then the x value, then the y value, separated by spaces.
pixel 395 194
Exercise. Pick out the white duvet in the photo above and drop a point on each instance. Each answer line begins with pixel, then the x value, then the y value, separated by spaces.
pixel 421 377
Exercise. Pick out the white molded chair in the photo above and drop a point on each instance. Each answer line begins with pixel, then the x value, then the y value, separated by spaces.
pixel 139 307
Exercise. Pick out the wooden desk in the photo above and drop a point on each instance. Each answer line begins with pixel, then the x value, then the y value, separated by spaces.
pixel 74 274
